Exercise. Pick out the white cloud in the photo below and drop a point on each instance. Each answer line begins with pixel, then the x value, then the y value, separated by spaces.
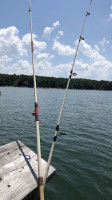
pixel 38 45
pixel 24 64
pixel 97 48
pixel 60 33
pixel 9 32
pixel 63 49
pixel 46 68
pixel 89 52
pixel 20 67
pixel 57 23
pixel 98 68
pixel 104 42
pixel 94 70
pixel 110 16
pixel 10 43
pixel 13 51
pixel 5 59
pixel 80 65
pixel 13 46
pixel 44 56
pixel 51 57
pixel 26 40
pixel 48 30
pixel 57 37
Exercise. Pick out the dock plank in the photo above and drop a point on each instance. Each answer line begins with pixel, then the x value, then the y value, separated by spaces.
pixel 19 171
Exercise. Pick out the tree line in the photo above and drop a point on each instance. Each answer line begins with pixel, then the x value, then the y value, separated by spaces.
pixel 52 82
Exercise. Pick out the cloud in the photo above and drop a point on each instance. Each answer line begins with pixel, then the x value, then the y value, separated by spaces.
pixel 51 57
pixel 110 16
pixel 38 45
pixel 46 68
pixel 87 50
pixel 18 67
pixel 57 23
pixel 48 30
pixel 60 33
pixel 14 50
pixel 97 48
pixel 44 56
pixel 13 46
pixel 81 66
pixel 24 64
pixel 94 70
pixel 10 43
pixel 63 49
pixel 99 67
pixel 5 59
pixel 104 42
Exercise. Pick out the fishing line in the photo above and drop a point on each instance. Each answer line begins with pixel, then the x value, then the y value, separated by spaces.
pixel 60 114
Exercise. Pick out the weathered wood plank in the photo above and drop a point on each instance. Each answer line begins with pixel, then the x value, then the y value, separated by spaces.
pixel 10 147
pixel 19 171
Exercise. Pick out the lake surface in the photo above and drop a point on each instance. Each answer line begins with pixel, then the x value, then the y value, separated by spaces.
pixel 82 157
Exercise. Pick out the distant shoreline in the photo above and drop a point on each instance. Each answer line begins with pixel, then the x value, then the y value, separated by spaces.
pixel 53 83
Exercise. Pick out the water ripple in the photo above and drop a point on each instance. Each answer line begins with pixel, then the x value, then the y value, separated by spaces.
pixel 82 157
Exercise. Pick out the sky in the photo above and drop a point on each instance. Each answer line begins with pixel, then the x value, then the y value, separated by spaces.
pixel 57 27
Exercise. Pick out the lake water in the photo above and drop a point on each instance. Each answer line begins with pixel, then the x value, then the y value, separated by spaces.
pixel 82 157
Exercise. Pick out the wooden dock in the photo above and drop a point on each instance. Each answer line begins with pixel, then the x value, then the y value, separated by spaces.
pixel 19 172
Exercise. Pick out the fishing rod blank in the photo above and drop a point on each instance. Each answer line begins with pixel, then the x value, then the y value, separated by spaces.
pixel 40 177
pixel 60 114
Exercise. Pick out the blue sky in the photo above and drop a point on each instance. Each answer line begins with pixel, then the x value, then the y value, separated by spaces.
pixel 56 27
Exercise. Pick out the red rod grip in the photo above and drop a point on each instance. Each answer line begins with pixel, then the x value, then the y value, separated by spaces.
pixel 36 111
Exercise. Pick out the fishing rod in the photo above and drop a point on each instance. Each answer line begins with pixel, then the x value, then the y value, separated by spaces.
pixel 40 177
pixel 60 114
